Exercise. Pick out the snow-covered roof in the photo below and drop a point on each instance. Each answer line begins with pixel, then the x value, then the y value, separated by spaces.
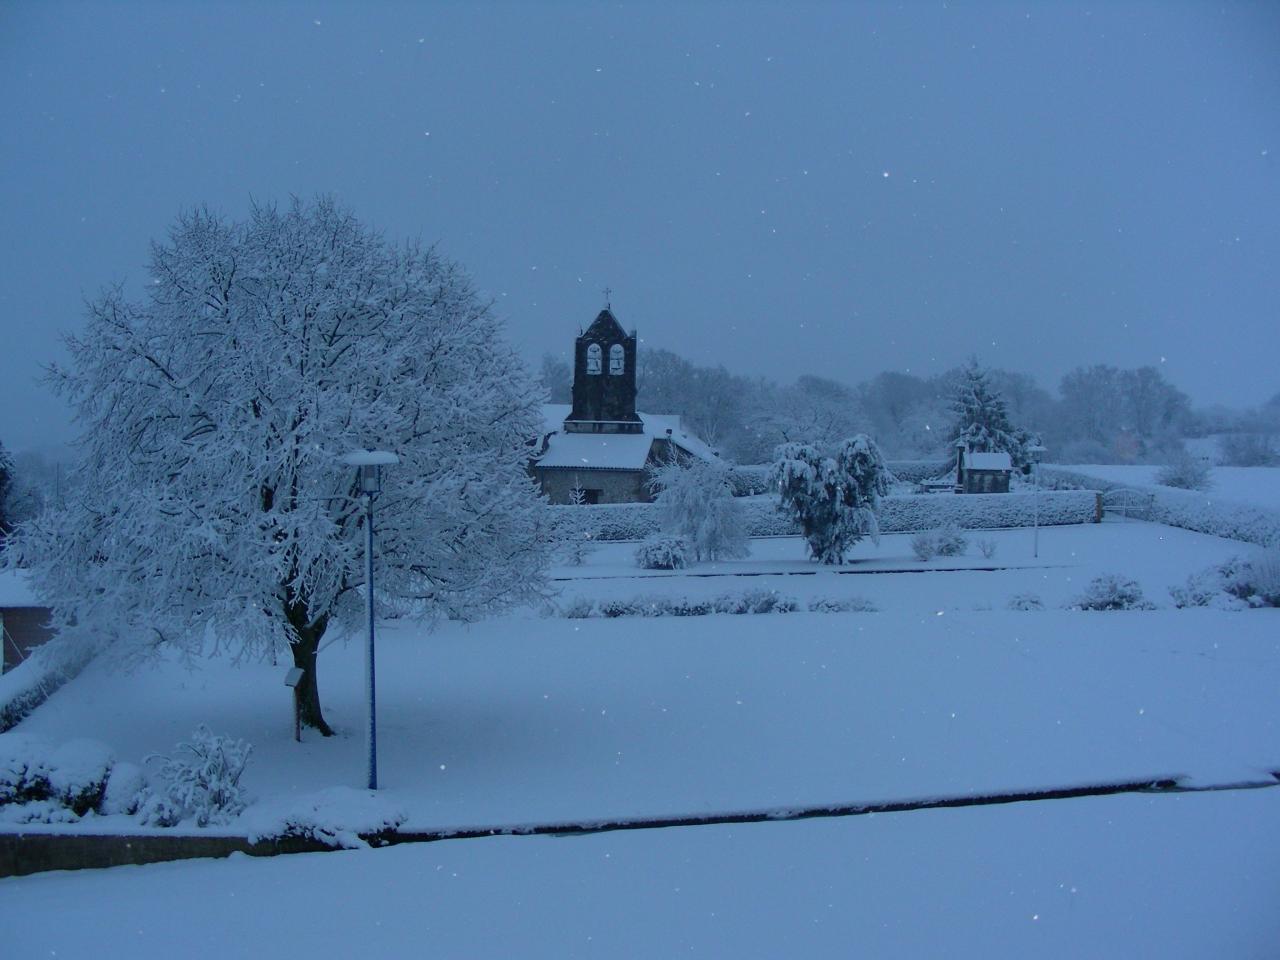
pixel 598 451
pixel 988 461
pixel 15 592
pixel 612 451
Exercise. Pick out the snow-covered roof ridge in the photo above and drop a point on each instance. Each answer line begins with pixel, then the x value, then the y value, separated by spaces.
pixel 655 427
pixel 988 461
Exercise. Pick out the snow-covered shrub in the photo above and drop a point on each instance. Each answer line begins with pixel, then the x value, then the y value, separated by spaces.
pixel 684 607
pixel 835 500
pixel 923 546
pixel 1111 592
pixel 1185 472
pixel 125 791
pixel 695 503
pixel 78 772
pixel 579 608
pixel 24 768
pixel 987 547
pixel 634 607
pixel 944 542
pixel 37 811
pixel 339 817
pixel 750 481
pixel 201 781
pixel 663 553
pixel 846 605
pixel 1025 601
pixel 951 542
pixel 1261 577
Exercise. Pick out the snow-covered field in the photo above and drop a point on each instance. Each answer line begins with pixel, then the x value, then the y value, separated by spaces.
pixel 1256 485
pixel 538 717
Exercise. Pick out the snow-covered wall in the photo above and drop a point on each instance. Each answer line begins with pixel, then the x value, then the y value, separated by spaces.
pixel 1190 509
pixel 635 521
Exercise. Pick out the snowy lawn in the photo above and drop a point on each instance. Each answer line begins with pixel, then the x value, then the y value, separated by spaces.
pixel 534 718
pixel 531 718
pixel 1256 485
pixel 1121 877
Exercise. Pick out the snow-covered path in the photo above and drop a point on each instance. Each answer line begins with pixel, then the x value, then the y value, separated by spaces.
pixel 1173 878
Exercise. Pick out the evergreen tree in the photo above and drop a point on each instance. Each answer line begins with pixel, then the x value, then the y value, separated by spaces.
pixel 836 500
pixel 982 418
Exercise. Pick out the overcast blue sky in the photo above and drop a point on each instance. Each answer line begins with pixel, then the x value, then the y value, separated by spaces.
pixel 833 189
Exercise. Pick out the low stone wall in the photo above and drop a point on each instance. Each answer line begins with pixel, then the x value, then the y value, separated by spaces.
pixel 26 853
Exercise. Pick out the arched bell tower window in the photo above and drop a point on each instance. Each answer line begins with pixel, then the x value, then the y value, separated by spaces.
pixel 593 358
pixel 617 359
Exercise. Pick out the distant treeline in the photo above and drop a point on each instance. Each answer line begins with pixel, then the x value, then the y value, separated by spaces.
pixel 1100 414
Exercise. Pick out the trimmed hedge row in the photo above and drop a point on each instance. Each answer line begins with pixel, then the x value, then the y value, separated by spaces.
pixel 636 521
pixel 1188 509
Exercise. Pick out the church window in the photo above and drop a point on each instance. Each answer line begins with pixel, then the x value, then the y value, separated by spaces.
pixel 617 359
pixel 593 358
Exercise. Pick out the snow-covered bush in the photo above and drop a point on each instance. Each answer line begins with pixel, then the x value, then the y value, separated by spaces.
pixel 339 817
pixel 944 542
pixel 1111 592
pixel 78 772
pixel 201 781
pixel 987 547
pixel 695 503
pixel 835 500
pixel 749 481
pixel 845 605
pixel 684 607
pixel 1262 578
pixel 576 547
pixel 579 608
pixel 1185 472
pixel 663 553
pixel 126 789
pixel 24 768
pixel 1025 601
pixel 37 811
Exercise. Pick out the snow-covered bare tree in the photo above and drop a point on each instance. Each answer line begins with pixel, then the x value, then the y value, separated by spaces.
pixel 215 413
pixel 982 419
pixel 695 502
pixel 836 500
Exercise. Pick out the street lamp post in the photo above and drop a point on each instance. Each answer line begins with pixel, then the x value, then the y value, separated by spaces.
pixel 369 464
pixel 1035 454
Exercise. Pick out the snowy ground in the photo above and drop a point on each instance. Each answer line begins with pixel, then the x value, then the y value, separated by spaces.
pixel 944 691
pixel 1256 485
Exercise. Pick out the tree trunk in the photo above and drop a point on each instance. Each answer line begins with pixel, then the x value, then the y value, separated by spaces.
pixel 305 648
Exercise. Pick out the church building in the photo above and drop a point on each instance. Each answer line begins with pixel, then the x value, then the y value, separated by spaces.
pixel 600 449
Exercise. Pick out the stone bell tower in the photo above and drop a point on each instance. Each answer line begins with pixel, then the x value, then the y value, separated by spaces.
pixel 604 379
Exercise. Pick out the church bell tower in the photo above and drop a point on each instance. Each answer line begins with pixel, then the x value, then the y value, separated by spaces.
pixel 604 379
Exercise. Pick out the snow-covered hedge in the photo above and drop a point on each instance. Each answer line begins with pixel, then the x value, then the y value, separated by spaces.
pixel 900 514
pixel 750 480
pixel 915 471
pixel 1192 510
pixel 755 600
pixel 34 680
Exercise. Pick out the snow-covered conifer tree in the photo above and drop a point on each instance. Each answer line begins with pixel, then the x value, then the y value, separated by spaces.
pixel 836 500
pixel 695 502
pixel 982 418
pixel 215 413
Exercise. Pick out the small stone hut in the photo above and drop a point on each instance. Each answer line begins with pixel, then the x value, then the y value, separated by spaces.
pixel 982 472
